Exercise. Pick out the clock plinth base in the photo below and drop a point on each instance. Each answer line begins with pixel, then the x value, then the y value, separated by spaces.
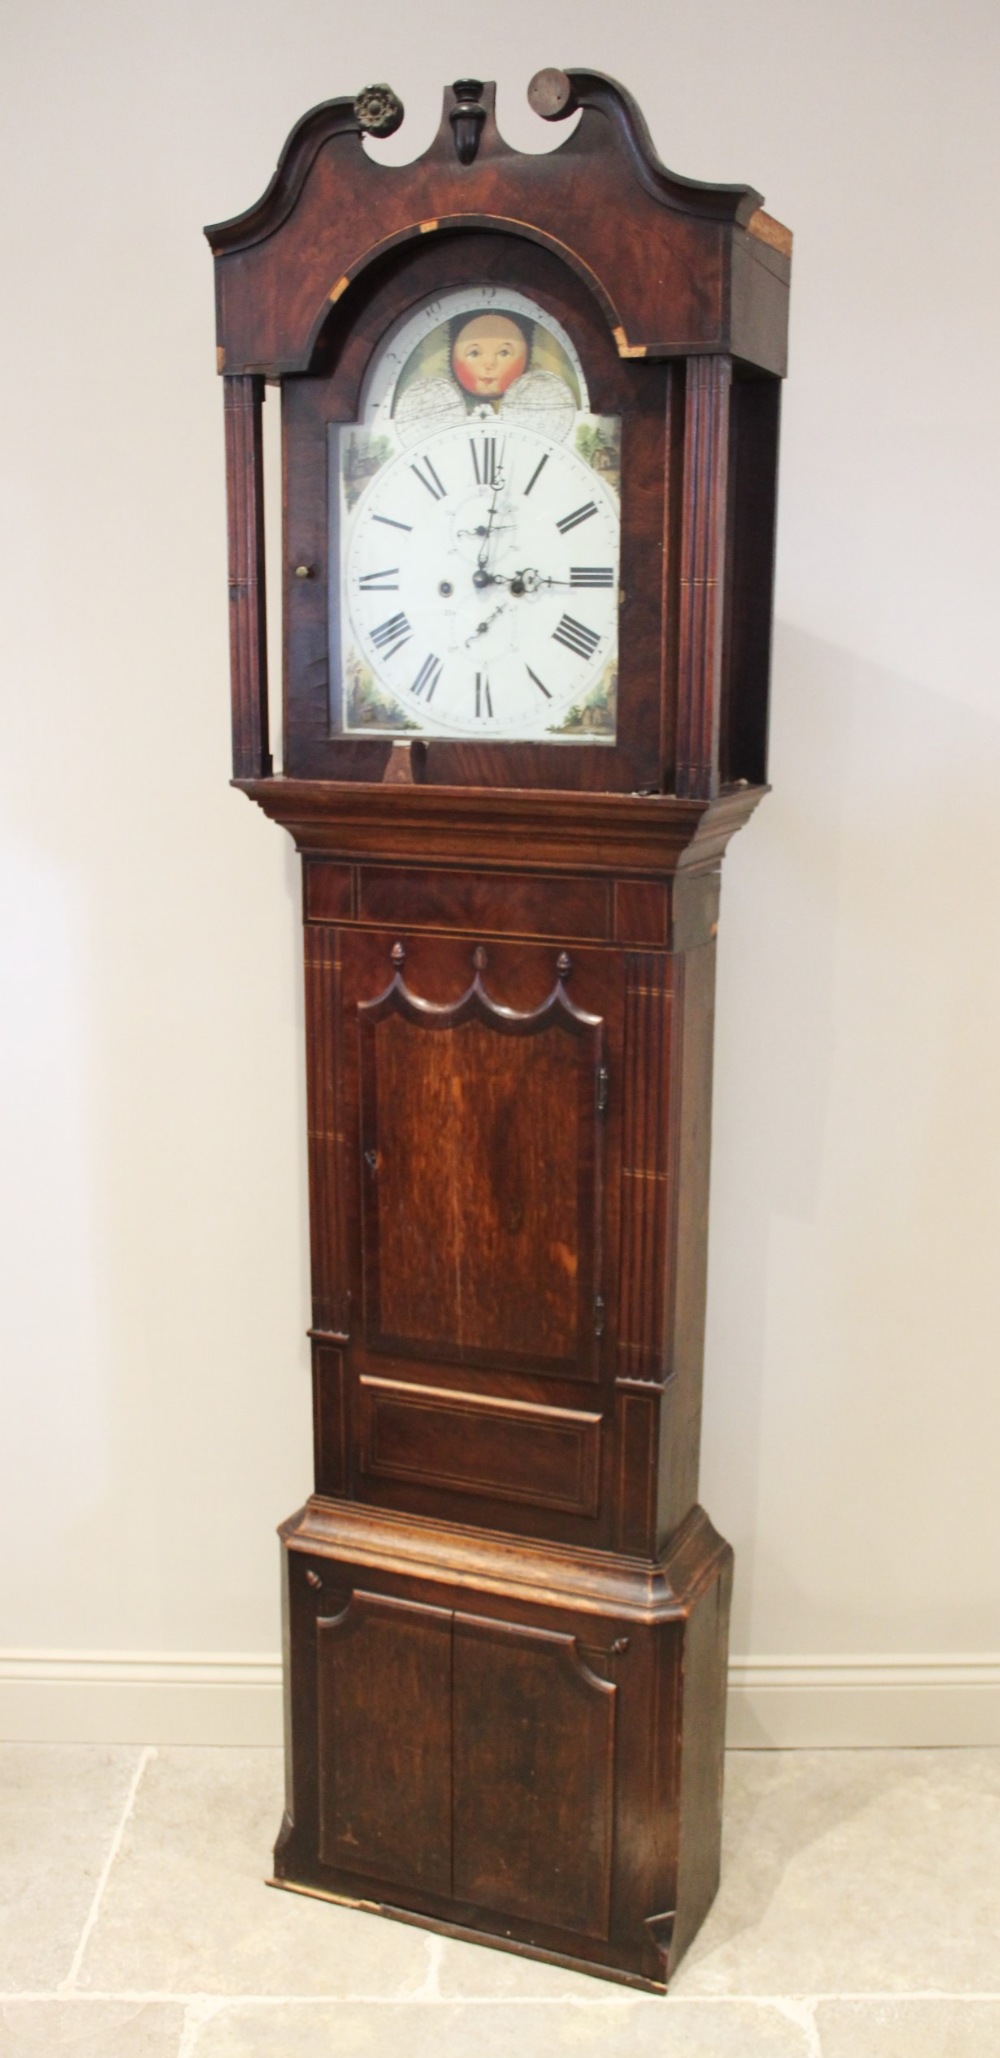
pixel 507 1741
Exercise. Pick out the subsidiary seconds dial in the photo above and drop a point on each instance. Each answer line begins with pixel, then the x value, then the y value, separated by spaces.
pixel 481 582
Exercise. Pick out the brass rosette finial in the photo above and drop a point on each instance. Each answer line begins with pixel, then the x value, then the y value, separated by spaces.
pixel 379 111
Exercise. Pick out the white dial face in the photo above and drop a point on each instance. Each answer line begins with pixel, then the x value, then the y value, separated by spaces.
pixel 482 581
pixel 478 524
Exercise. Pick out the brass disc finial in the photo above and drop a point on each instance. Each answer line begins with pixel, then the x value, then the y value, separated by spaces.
pixel 379 111
pixel 551 95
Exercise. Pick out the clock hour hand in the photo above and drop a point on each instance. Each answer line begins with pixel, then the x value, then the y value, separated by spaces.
pixel 526 581
pixel 517 582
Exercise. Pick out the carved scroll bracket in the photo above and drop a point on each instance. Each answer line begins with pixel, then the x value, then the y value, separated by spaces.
pixel 477 1003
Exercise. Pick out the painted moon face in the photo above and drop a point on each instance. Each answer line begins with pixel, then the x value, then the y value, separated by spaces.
pixel 489 353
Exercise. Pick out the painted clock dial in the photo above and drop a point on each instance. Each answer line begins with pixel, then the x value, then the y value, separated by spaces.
pixel 477 517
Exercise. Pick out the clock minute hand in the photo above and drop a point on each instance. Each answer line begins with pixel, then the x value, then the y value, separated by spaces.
pixel 484 547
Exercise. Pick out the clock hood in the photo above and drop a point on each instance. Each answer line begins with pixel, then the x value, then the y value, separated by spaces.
pixel 714 269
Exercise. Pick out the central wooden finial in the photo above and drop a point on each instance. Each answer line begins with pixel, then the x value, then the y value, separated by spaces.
pixel 467 118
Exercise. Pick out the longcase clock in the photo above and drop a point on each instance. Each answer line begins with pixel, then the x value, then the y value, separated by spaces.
pixel 529 433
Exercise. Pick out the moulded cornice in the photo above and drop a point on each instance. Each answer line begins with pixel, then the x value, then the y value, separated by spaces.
pixel 489 825
pixel 552 1575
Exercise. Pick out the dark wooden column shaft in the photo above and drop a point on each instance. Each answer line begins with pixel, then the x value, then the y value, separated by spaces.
pixel 322 969
pixel 703 530
pixel 243 397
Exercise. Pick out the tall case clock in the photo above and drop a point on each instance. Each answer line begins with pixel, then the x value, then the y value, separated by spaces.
pixel 529 412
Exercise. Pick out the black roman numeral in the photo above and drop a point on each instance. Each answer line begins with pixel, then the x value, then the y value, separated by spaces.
pixel 391 634
pixel 380 582
pixel 389 522
pixel 484 459
pixel 427 677
pixel 576 636
pixel 535 680
pixel 579 514
pixel 484 705
pixel 542 461
pixel 591 575
pixel 428 477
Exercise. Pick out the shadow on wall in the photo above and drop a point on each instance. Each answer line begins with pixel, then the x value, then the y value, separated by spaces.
pixel 853 1283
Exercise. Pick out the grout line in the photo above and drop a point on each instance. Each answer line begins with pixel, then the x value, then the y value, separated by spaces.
pixel 799 2008
pixel 68 1985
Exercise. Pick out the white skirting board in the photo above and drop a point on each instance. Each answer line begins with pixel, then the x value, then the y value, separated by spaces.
pixel 812 1703
pixel 789 1703
pixel 140 1697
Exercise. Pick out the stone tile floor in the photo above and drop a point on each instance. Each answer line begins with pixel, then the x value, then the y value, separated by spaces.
pixel 859 1918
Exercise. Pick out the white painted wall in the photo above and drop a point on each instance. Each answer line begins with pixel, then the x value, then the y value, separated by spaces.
pixel 154 1377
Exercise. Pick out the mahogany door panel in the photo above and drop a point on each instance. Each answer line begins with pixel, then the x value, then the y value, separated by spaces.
pixel 384 1715
pixel 480 1123
pixel 479 1145
pixel 534 1776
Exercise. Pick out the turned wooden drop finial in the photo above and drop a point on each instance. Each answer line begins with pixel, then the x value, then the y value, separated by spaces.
pixel 467 118
pixel 398 954
pixel 564 964
pixel 479 958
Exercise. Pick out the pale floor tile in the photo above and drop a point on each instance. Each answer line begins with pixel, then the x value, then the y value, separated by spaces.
pixel 473 1971
pixel 185 1910
pixel 90 2029
pixel 60 1805
pixel 605 2029
pixel 844 1872
pixel 848 1871
pixel 909 2029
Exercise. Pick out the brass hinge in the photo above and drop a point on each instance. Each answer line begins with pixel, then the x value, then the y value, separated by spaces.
pixel 603 1085
pixel 598 1314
